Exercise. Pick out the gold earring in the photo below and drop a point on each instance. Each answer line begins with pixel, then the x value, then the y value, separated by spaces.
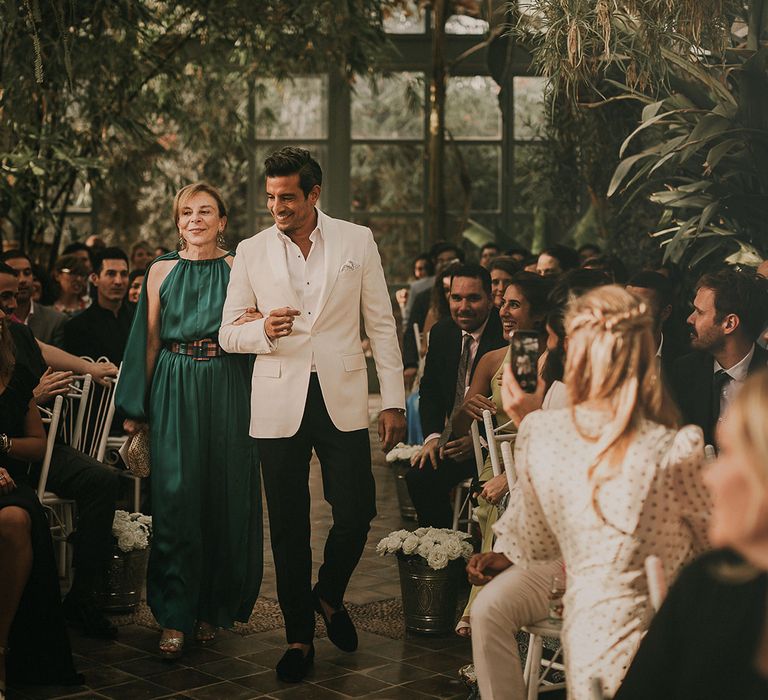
pixel 182 243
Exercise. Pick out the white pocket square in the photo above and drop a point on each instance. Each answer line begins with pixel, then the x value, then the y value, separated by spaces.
pixel 349 266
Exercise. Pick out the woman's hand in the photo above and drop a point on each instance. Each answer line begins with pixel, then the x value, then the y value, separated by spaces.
pixel 51 385
pixel 250 314
pixel 101 371
pixel 495 489
pixel 7 485
pixel 481 568
pixel 474 406
pixel 133 426
pixel 518 403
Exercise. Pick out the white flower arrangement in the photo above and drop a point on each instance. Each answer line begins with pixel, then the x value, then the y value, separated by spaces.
pixel 402 452
pixel 131 530
pixel 437 546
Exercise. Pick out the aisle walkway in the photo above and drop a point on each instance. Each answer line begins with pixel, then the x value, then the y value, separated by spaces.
pixel 236 667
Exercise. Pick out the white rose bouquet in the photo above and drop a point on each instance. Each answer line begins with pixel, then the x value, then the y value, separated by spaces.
pixel 437 546
pixel 402 452
pixel 131 530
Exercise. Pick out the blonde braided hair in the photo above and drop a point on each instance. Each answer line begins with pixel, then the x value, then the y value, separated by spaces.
pixel 611 357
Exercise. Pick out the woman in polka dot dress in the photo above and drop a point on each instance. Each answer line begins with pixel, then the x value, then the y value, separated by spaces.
pixel 605 483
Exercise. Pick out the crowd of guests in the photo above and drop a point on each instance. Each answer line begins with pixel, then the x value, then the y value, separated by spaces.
pixel 609 463
pixel 75 321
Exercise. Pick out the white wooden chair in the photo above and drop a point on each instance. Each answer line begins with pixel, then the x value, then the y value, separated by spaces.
pixel 73 410
pixel 61 510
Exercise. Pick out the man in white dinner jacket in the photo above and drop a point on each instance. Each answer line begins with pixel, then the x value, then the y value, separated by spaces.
pixel 312 276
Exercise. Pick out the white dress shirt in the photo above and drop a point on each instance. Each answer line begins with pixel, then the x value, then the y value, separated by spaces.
pixel 307 275
pixel 738 374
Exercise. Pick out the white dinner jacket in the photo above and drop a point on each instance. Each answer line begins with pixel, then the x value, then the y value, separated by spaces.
pixel 354 283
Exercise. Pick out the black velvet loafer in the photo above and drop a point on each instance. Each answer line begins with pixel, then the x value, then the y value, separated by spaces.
pixel 341 630
pixel 294 666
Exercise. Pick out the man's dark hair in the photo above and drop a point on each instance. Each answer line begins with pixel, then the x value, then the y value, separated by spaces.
pixel 567 257
pixel 474 271
pixel 490 244
pixel 739 293
pixel 133 274
pixel 611 264
pixel 439 248
pixel 6 269
pixel 112 253
pixel 575 283
pixel 295 161
pixel 589 246
pixel 530 260
pixel 428 259
pixel 504 262
pixel 649 279
pixel 13 254
pixel 518 250
pixel 74 247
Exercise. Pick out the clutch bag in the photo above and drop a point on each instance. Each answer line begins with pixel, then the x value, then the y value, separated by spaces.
pixel 136 454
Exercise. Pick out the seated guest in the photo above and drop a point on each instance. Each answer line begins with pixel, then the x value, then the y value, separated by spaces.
pixel 102 329
pixel 556 260
pixel 708 640
pixel 141 255
pixel 71 277
pixel 729 311
pixel 135 281
pixel 610 264
pixel 34 646
pixel 456 346
pixel 502 269
pixel 587 251
pixel 488 253
pixel 523 309
pixel 72 474
pixel 46 323
pixel 42 286
pixel 80 251
pixel 602 484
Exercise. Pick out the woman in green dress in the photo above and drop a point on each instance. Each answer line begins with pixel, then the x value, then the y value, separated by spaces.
pixel 205 565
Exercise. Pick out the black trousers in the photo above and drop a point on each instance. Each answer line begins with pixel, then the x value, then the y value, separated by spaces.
pixel 430 490
pixel 94 488
pixel 349 488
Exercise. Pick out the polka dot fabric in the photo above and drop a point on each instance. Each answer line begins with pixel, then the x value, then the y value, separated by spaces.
pixel 656 504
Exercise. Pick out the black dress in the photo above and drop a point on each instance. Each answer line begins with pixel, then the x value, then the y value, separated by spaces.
pixel 701 644
pixel 38 644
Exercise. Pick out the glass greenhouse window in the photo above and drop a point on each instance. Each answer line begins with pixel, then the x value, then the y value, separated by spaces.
pixel 482 164
pixel 399 241
pixel 391 107
pixel 387 178
pixel 472 107
pixel 529 107
pixel 296 109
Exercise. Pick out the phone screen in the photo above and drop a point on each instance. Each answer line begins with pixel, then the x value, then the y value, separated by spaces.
pixel 524 358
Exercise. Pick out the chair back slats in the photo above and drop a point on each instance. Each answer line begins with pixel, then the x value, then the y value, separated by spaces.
pixel 493 450
pixel 51 418
pixel 509 464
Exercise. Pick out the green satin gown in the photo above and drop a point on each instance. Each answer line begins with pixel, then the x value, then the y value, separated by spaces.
pixel 206 558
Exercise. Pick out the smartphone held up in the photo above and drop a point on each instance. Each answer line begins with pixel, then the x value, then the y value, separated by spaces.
pixel 523 357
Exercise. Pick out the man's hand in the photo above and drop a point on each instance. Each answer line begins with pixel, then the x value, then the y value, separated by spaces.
pixel 518 403
pixel 391 428
pixel 401 295
pixel 279 323
pixel 495 489
pixel 474 406
pixel 51 385
pixel 250 314
pixel 132 427
pixel 429 453
pixel 457 450
pixel 481 568
pixel 100 371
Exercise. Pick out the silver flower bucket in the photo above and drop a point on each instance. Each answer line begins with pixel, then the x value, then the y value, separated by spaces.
pixel 124 580
pixel 399 469
pixel 429 596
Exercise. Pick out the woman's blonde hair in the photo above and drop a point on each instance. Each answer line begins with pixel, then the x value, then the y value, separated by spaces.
pixel 611 357
pixel 185 193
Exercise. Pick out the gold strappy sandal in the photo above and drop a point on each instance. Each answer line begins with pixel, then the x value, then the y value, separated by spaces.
pixel 205 633
pixel 171 644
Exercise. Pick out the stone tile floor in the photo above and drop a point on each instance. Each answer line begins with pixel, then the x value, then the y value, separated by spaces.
pixel 236 667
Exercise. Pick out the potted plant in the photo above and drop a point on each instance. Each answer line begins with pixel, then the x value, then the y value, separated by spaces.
pixel 431 563
pixel 400 459
pixel 124 580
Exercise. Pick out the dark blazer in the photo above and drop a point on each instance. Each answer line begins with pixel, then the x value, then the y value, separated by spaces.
pixel 691 384
pixel 47 325
pixel 438 385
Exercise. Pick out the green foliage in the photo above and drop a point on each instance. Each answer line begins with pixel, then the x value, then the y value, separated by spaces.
pixel 702 154
pixel 96 90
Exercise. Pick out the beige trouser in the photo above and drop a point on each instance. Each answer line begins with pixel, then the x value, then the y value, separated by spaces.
pixel 516 597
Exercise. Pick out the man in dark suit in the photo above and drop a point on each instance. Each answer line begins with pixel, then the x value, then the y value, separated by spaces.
pixel 456 345
pixel 729 312
pixel 45 322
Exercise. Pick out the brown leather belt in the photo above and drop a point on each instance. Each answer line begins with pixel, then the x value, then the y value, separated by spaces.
pixel 203 349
